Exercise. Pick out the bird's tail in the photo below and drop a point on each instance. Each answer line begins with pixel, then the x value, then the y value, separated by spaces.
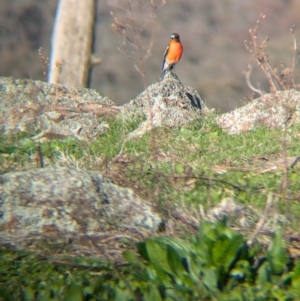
pixel 164 72
pixel 162 75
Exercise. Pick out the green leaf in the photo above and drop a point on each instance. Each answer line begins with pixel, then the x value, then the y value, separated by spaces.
pixel 74 292
pixel 175 261
pixel 210 278
pixel 131 257
pixel 28 294
pixel 120 296
pixel 142 250
pixel 226 251
pixel 277 254
pixel 294 276
pixel 157 252
pixel 152 294
pixel 264 273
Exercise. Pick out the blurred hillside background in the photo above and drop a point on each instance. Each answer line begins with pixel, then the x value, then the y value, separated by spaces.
pixel 212 32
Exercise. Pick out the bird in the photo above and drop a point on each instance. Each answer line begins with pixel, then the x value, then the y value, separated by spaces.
pixel 172 54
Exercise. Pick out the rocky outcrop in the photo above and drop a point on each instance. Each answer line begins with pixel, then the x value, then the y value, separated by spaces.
pixel 52 110
pixel 57 112
pixel 165 103
pixel 270 110
pixel 65 202
pixel 69 202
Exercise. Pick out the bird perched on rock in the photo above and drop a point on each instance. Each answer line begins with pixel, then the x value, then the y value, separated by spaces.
pixel 172 54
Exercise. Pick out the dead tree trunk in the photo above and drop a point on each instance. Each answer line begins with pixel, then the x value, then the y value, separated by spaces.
pixel 72 41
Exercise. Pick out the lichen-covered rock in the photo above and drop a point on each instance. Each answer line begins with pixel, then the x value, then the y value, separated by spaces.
pixel 165 103
pixel 52 110
pixel 63 200
pixel 270 110
pixel 56 112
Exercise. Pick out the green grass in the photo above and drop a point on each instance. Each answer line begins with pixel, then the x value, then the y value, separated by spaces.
pixel 162 165
pixel 167 166
pixel 192 152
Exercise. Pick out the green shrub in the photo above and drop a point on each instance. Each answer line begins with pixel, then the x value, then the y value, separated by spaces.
pixel 216 265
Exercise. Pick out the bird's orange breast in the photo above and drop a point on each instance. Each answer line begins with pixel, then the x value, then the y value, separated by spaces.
pixel 175 52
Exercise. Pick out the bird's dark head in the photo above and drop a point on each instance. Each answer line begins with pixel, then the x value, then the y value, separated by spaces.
pixel 175 36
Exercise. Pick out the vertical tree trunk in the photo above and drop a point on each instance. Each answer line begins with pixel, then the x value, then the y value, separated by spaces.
pixel 72 41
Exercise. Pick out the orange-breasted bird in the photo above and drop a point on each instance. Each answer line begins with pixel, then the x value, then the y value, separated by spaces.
pixel 172 54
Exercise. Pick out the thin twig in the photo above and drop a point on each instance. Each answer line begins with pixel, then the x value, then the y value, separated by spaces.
pixel 209 180
pixel 247 75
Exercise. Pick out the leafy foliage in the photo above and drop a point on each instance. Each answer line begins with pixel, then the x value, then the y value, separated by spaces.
pixel 217 264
